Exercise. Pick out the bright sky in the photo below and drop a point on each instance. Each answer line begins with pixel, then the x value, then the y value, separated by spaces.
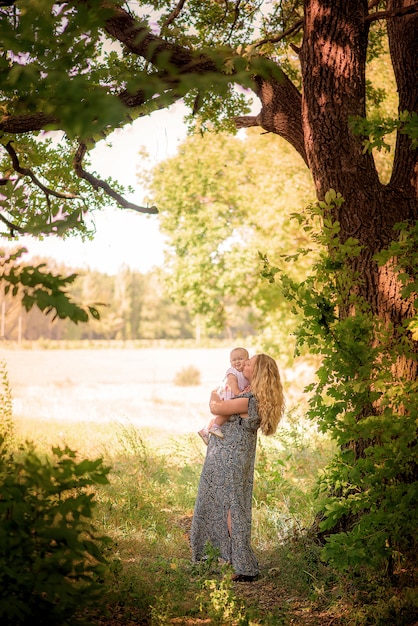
pixel 123 237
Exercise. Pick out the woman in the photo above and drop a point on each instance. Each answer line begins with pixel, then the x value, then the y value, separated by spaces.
pixel 222 515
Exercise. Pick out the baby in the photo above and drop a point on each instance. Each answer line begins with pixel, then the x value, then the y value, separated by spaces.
pixel 233 384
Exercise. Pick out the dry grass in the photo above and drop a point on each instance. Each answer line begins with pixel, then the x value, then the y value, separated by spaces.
pixel 106 387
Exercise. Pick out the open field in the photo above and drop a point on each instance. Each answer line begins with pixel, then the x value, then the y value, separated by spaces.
pixel 121 385
pixel 122 405
pixel 133 386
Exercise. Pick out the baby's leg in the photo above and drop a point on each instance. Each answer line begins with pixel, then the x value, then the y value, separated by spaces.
pixel 219 420
pixel 216 423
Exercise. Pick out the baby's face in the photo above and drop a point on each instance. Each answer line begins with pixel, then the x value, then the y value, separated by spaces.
pixel 238 358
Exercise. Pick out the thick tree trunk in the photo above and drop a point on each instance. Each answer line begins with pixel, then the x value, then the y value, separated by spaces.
pixel 333 57
pixel 403 38
pixel 333 71
pixel 333 68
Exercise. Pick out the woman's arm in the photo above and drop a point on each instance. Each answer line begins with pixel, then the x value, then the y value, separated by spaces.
pixel 236 406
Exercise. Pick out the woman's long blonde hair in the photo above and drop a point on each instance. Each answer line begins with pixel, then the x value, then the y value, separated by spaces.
pixel 268 391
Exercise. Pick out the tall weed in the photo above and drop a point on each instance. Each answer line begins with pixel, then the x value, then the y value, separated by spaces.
pixel 287 469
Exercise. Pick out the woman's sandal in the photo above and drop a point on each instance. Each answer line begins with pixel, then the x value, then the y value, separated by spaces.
pixel 242 578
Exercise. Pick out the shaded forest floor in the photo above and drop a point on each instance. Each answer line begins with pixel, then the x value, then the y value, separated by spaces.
pixel 211 598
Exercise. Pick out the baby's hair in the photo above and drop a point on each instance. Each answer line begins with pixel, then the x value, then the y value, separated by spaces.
pixel 247 354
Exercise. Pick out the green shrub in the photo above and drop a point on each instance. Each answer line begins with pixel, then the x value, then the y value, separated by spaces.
pixel 51 557
pixel 364 398
pixel 50 554
pixel 187 377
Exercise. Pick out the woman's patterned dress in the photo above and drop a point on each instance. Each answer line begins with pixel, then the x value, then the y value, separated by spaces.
pixel 226 484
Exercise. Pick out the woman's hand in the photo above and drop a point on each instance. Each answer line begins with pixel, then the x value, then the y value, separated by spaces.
pixel 214 398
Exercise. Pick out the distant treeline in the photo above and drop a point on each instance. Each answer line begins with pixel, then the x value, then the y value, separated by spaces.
pixel 132 306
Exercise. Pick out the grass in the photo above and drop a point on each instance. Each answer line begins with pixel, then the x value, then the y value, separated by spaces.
pixel 147 507
pixel 146 510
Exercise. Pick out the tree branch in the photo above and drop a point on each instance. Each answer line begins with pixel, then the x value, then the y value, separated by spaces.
pixel 246 121
pixel 12 226
pixel 384 15
pixel 281 101
pixel 281 111
pixel 174 13
pixel 14 124
pixel 96 183
pixel 235 20
pixel 290 31
pixel 25 171
pixel 139 40
pixel 7 179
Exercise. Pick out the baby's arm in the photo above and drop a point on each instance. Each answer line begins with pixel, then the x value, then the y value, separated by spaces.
pixel 236 406
pixel 232 383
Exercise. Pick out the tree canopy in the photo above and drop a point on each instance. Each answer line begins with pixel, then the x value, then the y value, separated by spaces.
pixel 230 195
pixel 83 69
